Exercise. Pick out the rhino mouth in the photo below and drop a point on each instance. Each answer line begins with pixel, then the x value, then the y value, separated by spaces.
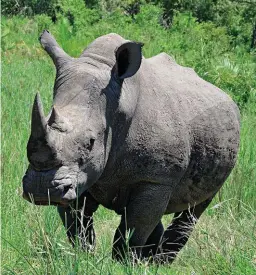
pixel 53 187
pixel 41 199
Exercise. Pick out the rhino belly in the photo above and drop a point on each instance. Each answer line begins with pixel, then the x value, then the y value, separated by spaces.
pixel 214 144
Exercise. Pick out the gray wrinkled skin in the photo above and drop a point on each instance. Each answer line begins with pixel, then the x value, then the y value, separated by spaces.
pixel 143 137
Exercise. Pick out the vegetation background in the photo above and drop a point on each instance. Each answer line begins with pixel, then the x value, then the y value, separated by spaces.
pixel 215 37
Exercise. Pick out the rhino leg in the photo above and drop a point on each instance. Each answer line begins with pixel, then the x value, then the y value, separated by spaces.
pixel 153 241
pixel 178 232
pixel 141 221
pixel 78 221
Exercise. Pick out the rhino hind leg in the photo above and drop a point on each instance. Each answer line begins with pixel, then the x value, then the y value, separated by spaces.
pixel 177 233
pixel 78 221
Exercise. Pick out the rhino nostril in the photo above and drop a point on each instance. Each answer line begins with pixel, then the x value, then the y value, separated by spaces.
pixel 66 188
pixel 69 193
pixel 90 146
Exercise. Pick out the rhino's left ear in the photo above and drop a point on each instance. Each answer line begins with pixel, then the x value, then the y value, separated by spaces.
pixel 128 59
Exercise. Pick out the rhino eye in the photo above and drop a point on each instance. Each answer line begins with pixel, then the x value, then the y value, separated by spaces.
pixel 80 161
pixel 90 146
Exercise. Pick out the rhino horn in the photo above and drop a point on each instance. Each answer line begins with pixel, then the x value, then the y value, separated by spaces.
pixel 58 122
pixel 38 125
pixel 51 46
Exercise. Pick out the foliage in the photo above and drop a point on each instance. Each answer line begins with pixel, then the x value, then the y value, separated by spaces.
pixel 76 12
pixel 28 7
pixel 239 17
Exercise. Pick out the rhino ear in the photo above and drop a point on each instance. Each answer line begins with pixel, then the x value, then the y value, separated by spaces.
pixel 128 59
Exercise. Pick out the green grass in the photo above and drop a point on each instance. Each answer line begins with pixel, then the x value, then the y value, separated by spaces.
pixel 33 238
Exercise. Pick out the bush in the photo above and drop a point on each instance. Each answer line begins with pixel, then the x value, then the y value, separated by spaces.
pixel 76 12
pixel 28 7
pixel 44 22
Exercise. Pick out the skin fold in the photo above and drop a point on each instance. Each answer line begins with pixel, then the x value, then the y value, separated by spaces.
pixel 142 137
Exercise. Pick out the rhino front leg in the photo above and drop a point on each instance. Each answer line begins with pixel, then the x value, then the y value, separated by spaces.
pixel 177 233
pixel 78 221
pixel 151 247
pixel 141 221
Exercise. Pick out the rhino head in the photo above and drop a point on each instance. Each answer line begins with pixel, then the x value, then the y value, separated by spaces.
pixel 68 150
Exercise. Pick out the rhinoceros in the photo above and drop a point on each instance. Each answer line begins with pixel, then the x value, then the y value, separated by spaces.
pixel 141 136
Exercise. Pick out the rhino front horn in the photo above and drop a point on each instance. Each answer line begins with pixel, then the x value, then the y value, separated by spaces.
pixel 38 125
pixel 51 46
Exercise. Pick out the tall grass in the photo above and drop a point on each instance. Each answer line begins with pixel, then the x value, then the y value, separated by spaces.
pixel 33 238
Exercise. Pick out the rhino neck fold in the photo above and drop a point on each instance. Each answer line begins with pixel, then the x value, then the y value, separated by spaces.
pixel 121 125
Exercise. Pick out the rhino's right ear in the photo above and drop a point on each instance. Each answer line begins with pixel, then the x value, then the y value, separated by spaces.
pixel 128 59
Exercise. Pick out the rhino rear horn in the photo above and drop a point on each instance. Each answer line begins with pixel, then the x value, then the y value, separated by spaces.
pixel 38 124
pixel 51 46
pixel 58 122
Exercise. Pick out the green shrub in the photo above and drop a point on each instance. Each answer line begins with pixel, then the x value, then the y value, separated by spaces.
pixel 28 7
pixel 76 12
pixel 44 22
